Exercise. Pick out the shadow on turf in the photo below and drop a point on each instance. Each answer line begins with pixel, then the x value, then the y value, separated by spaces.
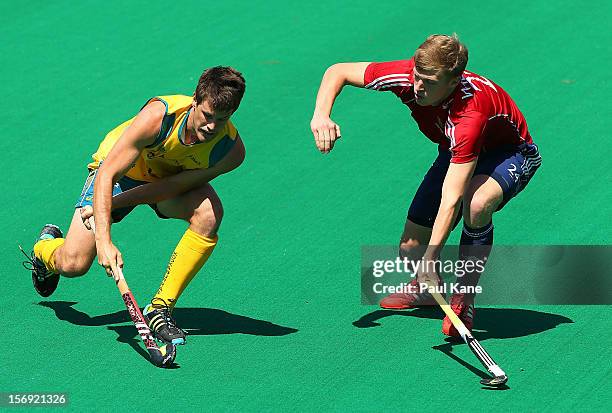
pixel 490 322
pixel 196 321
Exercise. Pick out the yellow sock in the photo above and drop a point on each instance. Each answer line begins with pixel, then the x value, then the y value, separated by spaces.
pixel 188 257
pixel 44 251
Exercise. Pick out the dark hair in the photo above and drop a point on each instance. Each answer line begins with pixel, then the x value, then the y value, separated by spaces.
pixel 222 86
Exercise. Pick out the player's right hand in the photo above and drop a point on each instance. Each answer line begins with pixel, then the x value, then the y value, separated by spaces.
pixel 86 213
pixel 325 131
pixel 110 258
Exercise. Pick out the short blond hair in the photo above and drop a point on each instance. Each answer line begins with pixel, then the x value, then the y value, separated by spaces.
pixel 441 53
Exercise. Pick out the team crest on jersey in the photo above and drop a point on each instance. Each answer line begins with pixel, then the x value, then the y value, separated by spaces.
pixel 195 160
pixel 157 153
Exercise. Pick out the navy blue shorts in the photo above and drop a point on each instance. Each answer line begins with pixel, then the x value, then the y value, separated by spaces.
pixel 122 185
pixel 512 168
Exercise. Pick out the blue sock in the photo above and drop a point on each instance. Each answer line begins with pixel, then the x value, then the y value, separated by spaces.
pixel 477 236
pixel 475 245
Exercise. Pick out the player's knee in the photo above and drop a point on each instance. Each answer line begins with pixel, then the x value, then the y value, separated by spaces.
pixel 407 245
pixel 207 217
pixel 75 264
pixel 479 211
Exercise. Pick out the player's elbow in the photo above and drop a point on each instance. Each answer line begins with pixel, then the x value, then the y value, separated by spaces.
pixel 336 74
pixel 239 154
pixel 241 151
pixel 108 174
pixel 333 70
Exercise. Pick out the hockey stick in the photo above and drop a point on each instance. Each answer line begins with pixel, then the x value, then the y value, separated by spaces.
pixel 499 377
pixel 160 356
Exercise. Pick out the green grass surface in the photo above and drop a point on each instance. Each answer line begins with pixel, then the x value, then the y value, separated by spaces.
pixel 274 317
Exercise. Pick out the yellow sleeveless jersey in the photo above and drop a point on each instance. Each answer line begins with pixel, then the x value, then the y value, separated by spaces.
pixel 168 155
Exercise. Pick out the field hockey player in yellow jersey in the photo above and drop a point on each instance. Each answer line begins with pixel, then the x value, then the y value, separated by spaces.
pixel 165 157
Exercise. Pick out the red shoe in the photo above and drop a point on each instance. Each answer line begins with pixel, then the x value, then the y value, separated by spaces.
pixel 404 301
pixel 464 308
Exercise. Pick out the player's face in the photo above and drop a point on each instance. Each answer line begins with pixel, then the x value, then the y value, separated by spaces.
pixel 207 121
pixel 431 88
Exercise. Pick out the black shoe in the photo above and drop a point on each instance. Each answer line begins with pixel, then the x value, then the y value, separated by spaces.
pixel 161 323
pixel 45 282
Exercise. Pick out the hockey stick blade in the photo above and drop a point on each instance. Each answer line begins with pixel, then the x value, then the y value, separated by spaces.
pixel 499 377
pixel 160 356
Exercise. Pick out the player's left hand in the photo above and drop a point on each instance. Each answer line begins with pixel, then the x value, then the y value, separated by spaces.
pixel 427 274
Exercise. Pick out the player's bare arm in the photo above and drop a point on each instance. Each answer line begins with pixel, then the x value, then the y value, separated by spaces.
pixel 172 186
pixel 455 184
pixel 325 130
pixel 140 133
pixel 120 164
